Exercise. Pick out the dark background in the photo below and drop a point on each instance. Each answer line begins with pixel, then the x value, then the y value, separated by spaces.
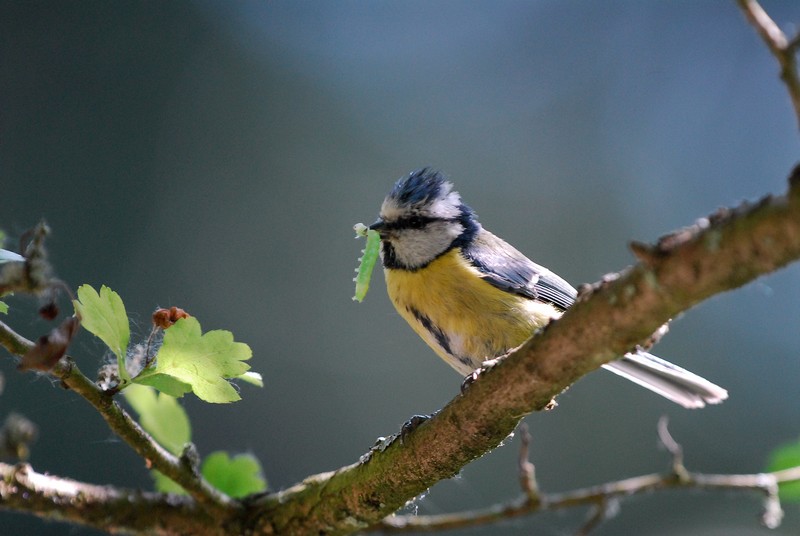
pixel 215 155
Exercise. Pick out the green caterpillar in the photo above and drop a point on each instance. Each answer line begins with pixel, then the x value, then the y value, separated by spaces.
pixel 367 260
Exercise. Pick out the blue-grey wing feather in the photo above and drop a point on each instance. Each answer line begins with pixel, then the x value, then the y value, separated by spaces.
pixel 504 267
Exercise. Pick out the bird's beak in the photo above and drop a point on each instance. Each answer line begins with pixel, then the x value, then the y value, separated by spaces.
pixel 379 226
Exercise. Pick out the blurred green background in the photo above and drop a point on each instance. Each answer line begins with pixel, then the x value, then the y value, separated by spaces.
pixel 215 155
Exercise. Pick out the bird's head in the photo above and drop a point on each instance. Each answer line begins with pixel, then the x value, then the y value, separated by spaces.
pixel 422 218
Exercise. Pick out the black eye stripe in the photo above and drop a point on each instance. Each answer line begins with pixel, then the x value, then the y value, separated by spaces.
pixel 411 222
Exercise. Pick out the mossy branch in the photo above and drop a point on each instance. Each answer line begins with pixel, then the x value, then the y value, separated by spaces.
pixel 722 252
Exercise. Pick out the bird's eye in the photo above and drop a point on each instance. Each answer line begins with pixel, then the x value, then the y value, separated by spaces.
pixel 416 222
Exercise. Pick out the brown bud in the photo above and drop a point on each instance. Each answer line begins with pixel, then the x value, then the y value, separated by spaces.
pixel 164 318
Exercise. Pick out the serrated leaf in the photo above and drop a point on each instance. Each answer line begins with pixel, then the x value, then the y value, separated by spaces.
pixel 165 484
pixel 203 362
pixel 784 457
pixel 161 416
pixel 104 316
pixel 237 477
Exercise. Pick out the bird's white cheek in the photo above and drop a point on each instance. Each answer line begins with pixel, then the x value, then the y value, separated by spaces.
pixel 419 247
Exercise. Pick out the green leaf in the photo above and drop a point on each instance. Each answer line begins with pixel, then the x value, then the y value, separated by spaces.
pixel 165 384
pixel 203 362
pixel 784 457
pixel 237 477
pixel 165 484
pixel 161 416
pixel 3 308
pixel 104 316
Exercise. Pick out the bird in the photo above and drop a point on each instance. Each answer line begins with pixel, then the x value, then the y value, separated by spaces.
pixel 472 297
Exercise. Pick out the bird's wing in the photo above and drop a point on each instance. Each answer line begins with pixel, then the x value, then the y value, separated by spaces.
pixel 504 267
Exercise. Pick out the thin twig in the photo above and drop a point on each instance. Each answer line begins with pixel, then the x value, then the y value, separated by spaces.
pixel 782 48
pixel 598 515
pixel 605 496
pixel 673 447
pixel 600 495
pixel 527 471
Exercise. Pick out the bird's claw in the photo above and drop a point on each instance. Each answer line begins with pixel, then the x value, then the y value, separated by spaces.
pixel 470 378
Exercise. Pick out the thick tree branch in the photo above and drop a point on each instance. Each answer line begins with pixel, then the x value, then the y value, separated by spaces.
pixel 722 252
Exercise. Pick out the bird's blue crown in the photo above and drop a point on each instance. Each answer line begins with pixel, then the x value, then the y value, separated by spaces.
pixel 419 188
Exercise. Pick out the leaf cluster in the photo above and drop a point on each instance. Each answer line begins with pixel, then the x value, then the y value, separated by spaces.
pixel 187 361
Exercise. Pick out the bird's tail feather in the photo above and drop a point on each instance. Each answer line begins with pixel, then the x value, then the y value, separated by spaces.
pixel 670 381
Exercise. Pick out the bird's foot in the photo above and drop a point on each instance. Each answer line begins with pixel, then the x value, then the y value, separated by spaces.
pixel 470 378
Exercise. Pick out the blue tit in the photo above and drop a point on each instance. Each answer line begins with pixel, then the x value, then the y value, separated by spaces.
pixel 472 297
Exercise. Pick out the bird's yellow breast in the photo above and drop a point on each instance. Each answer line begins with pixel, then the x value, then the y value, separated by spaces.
pixel 462 317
